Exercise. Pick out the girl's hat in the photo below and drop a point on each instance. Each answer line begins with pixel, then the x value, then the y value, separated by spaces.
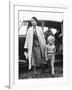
pixel 51 37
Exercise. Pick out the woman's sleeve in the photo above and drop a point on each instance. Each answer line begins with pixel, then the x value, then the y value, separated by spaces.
pixel 26 45
pixel 26 41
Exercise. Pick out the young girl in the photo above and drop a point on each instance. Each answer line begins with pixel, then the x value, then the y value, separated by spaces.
pixel 50 52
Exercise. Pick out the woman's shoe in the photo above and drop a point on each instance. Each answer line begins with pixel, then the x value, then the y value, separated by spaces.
pixel 52 75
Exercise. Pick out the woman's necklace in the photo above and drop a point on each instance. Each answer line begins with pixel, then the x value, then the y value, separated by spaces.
pixel 34 28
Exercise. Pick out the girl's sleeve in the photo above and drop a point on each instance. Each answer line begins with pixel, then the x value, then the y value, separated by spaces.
pixel 54 48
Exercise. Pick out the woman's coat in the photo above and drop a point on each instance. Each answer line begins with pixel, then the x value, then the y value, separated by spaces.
pixel 29 42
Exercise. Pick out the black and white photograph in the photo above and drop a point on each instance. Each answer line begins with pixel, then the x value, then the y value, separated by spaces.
pixel 40 44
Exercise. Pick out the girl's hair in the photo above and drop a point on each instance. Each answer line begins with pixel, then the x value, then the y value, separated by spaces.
pixel 35 19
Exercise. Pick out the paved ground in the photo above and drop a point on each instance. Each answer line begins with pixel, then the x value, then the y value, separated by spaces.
pixel 46 74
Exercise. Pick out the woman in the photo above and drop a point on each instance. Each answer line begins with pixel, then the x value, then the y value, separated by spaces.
pixel 35 43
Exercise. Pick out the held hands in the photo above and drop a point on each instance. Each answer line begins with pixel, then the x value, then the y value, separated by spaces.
pixel 46 59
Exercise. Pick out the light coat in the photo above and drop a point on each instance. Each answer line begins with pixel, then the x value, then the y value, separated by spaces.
pixel 29 42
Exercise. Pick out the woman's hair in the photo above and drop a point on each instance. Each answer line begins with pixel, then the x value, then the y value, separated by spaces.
pixel 35 19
